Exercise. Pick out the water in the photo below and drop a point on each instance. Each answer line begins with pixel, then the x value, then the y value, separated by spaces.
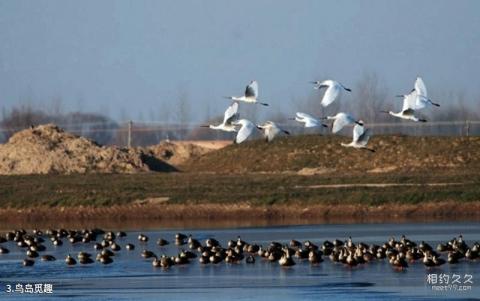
pixel 131 277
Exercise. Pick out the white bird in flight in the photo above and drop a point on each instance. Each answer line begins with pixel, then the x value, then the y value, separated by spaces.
pixel 231 114
pixel 251 94
pixel 331 93
pixel 340 121
pixel 271 130
pixel 360 137
pixel 422 99
pixel 308 120
pixel 245 131
pixel 408 108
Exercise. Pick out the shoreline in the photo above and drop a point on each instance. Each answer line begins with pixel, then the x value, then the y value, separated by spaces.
pixel 236 215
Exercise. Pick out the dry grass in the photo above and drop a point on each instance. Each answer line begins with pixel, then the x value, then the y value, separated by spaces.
pixel 243 211
pixel 394 154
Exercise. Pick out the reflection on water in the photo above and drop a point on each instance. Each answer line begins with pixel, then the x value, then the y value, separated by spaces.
pixel 145 224
pixel 131 277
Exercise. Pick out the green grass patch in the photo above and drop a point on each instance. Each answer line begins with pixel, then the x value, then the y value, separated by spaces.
pixel 258 189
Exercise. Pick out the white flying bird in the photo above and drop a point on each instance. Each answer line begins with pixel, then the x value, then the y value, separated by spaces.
pixel 246 130
pixel 270 130
pixel 360 137
pixel 231 114
pixel 340 121
pixel 422 99
pixel 408 108
pixel 308 120
pixel 251 94
pixel 331 93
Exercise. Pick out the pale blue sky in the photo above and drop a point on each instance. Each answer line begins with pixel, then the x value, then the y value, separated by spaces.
pixel 134 55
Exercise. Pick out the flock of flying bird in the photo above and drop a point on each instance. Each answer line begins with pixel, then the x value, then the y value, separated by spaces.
pixel 416 100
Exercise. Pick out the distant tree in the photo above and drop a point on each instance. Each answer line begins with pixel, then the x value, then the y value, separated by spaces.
pixel 368 97
pixel 92 125
pixel 22 117
pixel 182 115
pixel 95 126
pixel 56 106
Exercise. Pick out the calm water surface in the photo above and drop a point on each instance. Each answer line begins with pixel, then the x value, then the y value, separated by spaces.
pixel 130 277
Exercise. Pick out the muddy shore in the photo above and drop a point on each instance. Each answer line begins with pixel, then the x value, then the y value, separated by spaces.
pixel 219 215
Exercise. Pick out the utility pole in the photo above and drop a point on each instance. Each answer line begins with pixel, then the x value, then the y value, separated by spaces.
pixel 129 137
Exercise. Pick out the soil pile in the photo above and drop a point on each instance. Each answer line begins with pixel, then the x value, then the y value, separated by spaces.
pixel 48 149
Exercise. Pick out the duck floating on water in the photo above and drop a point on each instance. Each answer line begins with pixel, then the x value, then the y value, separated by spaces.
pixel 400 253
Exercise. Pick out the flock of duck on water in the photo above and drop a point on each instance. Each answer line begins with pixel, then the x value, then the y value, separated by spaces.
pixel 414 101
pixel 400 253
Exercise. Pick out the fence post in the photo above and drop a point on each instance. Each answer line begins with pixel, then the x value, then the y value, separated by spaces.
pixel 467 128
pixel 129 137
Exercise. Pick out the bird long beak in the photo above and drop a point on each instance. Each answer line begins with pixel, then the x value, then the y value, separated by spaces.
pixel 384 112
pixel 204 126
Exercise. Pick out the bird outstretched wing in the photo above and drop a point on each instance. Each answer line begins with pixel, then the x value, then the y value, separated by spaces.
pixel 420 87
pixel 363 139
pixel 271 132
pixel 330 95
pixel 231 113
pixel 252 90
pixel 410 101
pixel 422 102
pixel 358 131
pixel 245 131
pixel 309 120
pixel 304 115
pixel 341 121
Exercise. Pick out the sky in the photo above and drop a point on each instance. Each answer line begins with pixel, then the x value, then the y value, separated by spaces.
pixel 136 59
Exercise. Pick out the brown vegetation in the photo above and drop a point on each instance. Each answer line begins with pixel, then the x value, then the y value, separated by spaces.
pixel 313 155
pixel 214 213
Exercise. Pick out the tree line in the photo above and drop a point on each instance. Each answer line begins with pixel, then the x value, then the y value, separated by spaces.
pixel 368 97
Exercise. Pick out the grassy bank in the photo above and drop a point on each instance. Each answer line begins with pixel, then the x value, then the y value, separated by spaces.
pixel 398 154
pixel 256 189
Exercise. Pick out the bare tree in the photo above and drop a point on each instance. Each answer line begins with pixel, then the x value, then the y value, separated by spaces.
pixel 95 126
pixel 56 106
pixel 368 97
pixel 183 114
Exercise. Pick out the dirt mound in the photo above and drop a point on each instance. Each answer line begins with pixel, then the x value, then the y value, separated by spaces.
pixel 176 153
pixel 313 154
pixel 48 149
